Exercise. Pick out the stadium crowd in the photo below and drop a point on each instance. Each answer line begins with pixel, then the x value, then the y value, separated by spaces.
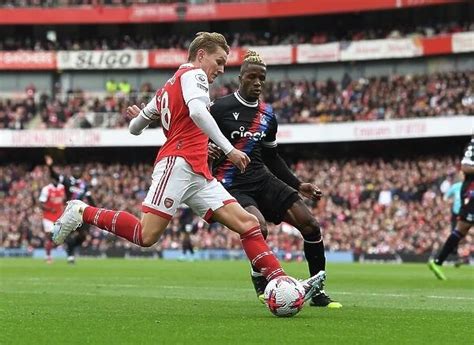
pixel 370 206
pixel 133 40
pixel 303 101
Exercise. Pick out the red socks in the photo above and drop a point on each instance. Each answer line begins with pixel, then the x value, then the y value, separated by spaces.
pixel 260 255
pixel 126 225
pixel 119 223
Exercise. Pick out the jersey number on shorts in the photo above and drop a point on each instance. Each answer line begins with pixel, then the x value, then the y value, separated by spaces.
pixel 165 111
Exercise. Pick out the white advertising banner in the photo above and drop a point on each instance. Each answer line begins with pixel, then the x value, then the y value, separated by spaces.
pixel 380 49
pixel 287 134
pixel 312 53
pixel 376 130
pixel 463 42
pixel 102 59
pixel 274 55
pixel 79 138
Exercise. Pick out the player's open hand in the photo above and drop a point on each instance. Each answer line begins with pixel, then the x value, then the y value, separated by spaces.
pixel 214 151
pixel 310 191
pixel 134 110
pixel 239 159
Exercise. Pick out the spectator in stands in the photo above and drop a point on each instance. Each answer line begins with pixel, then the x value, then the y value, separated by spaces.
pixel 294 101
pixel 416 221
pixel 111 86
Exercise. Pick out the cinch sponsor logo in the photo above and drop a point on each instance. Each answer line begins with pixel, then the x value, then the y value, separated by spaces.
pixel 242 133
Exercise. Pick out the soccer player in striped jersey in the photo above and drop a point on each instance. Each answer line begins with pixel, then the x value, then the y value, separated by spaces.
pixel 267 188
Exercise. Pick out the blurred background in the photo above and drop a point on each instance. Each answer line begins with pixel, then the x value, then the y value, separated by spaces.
pixel 375 100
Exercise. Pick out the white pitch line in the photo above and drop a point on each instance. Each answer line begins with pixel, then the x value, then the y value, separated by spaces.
pixel 400 295
pixel 180 287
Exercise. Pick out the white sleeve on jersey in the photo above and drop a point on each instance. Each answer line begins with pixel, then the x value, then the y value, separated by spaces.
pixel 44 194
pixel 144 118
pixel 203 119
pixel 194 84
pixel 151 112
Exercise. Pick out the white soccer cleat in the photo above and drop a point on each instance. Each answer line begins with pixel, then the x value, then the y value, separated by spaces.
pixel 69 221
pixel 314 285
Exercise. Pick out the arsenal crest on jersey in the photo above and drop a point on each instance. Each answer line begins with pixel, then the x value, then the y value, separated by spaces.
pixel 169 202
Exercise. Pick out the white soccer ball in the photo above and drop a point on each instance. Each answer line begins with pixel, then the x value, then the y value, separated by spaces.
pixel 284 296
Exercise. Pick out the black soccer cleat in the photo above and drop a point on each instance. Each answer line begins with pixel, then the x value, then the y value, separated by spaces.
pixel 259 284
pixel 324 301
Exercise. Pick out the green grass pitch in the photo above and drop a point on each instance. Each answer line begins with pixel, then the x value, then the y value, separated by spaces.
pixel 111 301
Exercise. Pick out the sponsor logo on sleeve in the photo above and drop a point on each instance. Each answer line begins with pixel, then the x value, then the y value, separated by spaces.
pixel 202 87
pixel 201 78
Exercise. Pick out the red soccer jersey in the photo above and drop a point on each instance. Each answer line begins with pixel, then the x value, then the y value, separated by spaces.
pixel 53 198
pixel 184 138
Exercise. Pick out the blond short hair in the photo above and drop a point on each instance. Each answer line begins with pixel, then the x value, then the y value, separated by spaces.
pixel 251 58
pixel 209 41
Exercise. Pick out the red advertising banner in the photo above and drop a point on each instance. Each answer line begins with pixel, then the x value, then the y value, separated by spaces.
pixel 436 45
pixel 194 12
pixel 29 60
pixel 273 55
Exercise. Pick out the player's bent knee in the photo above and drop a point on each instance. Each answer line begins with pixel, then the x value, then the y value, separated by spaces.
pixel 148 241
pixel 247 222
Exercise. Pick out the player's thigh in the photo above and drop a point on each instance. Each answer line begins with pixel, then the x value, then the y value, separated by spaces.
pixel 466 217
pixel 236 218
pixel 170 181
pixel 214 202
pixel 275 199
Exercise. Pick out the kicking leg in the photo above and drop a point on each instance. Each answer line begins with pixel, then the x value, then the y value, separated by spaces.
pixel 258 280
pixel 246 225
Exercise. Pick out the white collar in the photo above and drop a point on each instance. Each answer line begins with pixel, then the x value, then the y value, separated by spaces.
pixel 244 102
pixel 187 64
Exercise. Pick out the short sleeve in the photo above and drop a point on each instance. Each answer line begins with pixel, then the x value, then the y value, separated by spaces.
pixel 194 84
pixel 270 139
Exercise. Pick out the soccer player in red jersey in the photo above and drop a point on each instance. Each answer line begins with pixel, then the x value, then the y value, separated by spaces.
pixel 181 173
pixel 52 199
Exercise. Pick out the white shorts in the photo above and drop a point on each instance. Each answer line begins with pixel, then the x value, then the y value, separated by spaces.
pixel 174 182
pixel 48 225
